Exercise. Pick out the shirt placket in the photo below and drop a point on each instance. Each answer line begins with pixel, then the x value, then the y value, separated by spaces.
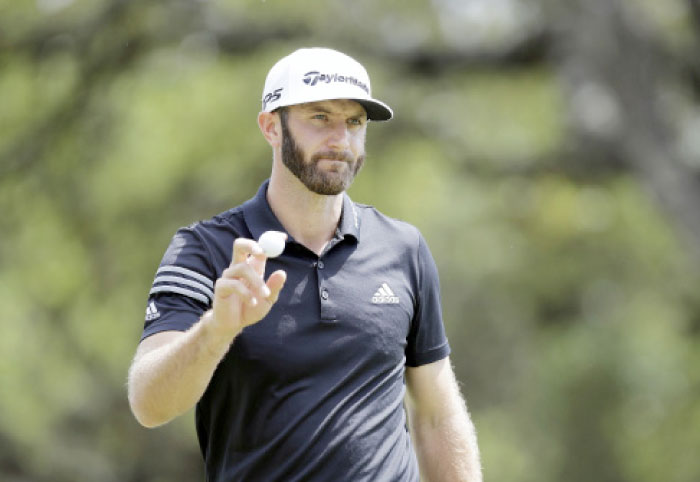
pixel 329 312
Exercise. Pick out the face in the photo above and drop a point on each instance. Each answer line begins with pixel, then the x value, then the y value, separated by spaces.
pixel 323 143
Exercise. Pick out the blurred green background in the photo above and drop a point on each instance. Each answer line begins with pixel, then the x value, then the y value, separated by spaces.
pixel 548 150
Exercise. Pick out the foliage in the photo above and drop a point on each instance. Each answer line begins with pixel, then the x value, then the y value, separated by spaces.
pixel 568 262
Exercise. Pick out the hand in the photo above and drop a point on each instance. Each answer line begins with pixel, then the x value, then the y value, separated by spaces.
pixel 241 297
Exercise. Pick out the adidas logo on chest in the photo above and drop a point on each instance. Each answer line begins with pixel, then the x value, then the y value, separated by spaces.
pixel 384 296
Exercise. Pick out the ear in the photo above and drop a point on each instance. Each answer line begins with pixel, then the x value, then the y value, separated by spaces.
pixel 269 123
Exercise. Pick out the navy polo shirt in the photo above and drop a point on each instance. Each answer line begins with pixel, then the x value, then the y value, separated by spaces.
pixel 314 391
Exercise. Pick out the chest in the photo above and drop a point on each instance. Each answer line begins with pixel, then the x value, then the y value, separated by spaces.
pixel 348 307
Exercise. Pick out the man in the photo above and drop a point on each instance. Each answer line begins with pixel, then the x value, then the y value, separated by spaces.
pixel 306 383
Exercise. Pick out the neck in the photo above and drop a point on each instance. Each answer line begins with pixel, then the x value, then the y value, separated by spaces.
pixel 310 218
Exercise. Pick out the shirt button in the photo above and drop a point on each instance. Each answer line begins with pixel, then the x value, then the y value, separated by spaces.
pixel 324 293
pixel 320 265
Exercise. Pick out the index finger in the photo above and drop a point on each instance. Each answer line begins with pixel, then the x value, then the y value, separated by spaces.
pixel 244 247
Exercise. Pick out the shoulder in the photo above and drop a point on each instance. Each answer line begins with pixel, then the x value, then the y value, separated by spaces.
pixel 404 239
pixel 222 227
pixel 209 240
pixel 378 225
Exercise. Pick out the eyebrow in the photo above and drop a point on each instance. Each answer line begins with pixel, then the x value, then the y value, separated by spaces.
pixel 320 108
pixel 316 108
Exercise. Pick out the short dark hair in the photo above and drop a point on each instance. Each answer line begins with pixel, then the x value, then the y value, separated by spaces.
pixel 283 113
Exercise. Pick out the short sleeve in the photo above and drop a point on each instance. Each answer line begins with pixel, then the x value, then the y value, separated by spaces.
pixel 183 287
pixel 427 341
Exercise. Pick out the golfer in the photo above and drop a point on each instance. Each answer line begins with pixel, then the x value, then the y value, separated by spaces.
pixel 328 362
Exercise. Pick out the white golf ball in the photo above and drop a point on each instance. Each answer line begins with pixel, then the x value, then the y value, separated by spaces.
pixel 272 243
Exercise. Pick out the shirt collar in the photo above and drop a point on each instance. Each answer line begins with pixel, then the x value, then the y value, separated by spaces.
pixel 260 218
pixel 349 224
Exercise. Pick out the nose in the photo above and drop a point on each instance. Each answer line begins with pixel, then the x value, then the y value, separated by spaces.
pixel 339 136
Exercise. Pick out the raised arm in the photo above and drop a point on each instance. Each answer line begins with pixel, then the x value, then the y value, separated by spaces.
pixel 443 433
pixel 171 370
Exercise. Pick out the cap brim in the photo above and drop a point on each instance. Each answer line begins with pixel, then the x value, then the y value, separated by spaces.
pixel 376 110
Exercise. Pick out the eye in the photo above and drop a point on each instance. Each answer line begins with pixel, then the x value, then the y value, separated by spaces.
pixel 322 117
pixel 356 121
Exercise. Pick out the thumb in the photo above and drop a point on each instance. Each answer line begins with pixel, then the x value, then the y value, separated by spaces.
pixel 275 283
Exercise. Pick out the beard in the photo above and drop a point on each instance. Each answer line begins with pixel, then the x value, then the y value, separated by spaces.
pixel 327 183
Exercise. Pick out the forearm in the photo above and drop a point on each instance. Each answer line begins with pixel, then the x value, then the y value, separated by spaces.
pixel 169 380
pixel 447 449
pixel 442 432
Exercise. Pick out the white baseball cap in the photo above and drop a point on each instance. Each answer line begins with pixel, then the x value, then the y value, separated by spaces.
pixel 316 74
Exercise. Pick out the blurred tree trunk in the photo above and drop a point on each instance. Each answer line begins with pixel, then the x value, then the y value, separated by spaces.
pixel 618 81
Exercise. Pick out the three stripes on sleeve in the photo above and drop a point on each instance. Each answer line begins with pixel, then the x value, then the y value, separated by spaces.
pixel 183 281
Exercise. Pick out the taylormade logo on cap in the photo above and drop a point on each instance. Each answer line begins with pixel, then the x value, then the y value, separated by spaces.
pixel 312 78
pixel 317 74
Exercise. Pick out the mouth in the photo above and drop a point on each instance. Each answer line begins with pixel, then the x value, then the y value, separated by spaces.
pixel 334 157
pixel 333 166
pixel 333 161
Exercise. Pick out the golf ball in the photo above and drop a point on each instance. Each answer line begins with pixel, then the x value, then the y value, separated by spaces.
pixel 272 243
